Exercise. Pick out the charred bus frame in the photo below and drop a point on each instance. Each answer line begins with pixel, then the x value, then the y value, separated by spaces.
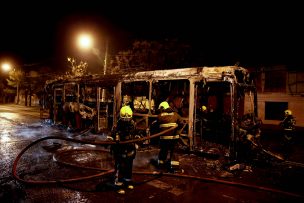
pixel 228 90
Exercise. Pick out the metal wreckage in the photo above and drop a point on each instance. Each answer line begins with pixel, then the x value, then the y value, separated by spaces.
pixel 228 93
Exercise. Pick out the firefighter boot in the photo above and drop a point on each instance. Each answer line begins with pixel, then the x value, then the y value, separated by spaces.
pixel 129 185
pixel 159 164
pixel 121 191
pixel 119 187
pixel 174 167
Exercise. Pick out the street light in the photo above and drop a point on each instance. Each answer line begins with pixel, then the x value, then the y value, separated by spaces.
pixel 85 41
pixel 15 74
pixel 6 67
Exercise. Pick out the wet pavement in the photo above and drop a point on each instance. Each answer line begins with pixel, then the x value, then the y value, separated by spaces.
pixel 64 170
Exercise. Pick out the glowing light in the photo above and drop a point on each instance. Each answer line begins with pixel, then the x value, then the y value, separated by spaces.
pixel 85 41
pixel 6 67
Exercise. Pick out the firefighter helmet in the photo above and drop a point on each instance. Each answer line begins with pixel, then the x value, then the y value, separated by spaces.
pixel 288 112
pixel 204 108
pixel 163 105
pixel 126 112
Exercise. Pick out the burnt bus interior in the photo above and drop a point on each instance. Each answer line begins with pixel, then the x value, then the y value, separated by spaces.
pixel 100 98
pixel 145 96
pixel 105 109
pixel 226 92
pixel 87 95
pixel 216 96
pixel 215 125
pixel 58 103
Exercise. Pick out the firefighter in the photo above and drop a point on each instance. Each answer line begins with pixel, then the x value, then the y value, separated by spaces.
pixel 204 109
pixel 168 118
pixel 204 118
pixel 202 113
pixel 124 154
pixel 288 125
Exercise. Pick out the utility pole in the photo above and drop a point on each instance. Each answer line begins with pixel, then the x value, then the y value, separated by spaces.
pixel 106 57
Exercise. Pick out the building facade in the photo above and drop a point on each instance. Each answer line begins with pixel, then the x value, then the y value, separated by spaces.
pixel 280 88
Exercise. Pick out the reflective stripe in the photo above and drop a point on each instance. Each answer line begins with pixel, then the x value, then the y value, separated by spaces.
pixel 174 163
pixel 165 125
pixel 128 154
pixel 118 183
pixel 131 153
pixel 288 138
pixel 161 161
pixel 127 179
pixel 169 137
pixel 167 114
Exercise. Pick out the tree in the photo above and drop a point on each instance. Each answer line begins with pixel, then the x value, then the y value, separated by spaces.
pixel 77 70
pixel 33 85
pixel 151 55
pixel 16 77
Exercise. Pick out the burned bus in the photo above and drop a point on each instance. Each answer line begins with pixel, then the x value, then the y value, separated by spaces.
pixel 211 100
pixel 82 102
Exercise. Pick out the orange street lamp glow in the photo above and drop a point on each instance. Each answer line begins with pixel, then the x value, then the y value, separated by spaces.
pixel 85 41
pixel 6 67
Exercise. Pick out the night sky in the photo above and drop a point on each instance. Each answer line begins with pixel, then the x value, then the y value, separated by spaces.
pixel 253 35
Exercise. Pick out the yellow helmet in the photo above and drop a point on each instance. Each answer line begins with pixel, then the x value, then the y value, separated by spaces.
pixel 126 112
pixel 204 108
pixel 288 112
pixel 163 105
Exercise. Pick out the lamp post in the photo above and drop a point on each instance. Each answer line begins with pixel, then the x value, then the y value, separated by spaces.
pixel 16 75
pixel 85 41
pixel 5 67
pixel 105 58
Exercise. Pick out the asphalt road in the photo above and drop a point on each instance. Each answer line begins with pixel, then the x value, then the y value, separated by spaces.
pixel 57 170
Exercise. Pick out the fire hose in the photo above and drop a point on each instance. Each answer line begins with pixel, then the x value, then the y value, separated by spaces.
pixel 105 172
pixel 15 163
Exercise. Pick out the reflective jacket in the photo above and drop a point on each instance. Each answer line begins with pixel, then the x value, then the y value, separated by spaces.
pixel 124 131
pixel 167 119
pixel 288 123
